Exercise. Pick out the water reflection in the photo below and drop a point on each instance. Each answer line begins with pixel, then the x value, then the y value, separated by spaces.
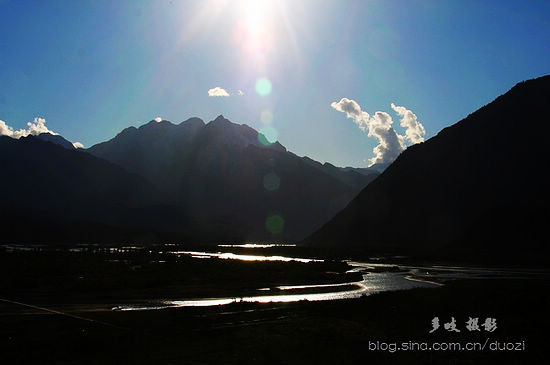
pixel 234 256
pixel 293 287
pixel 259 245
pixel 371 283
pixel 376 276
pixel 355 293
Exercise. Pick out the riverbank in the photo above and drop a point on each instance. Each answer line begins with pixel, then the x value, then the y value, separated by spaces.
pixel 56 306
pixel 114 276
pixel 302 332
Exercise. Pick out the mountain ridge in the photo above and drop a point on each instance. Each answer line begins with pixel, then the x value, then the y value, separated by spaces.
pixel 455 192
pixel 226 172
pixel 56 139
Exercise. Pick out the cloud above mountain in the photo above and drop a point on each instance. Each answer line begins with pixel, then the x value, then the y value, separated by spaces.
pixel 415 131
pixel 218 92
pixel 390 143
pixel 34 128
pixel 380 126
pixel 37 126
pixel 353 111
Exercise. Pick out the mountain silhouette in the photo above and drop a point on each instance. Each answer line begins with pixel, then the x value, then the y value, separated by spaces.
pixel 54 194
pixel 57 139
pixel 229 176
pixel 477 189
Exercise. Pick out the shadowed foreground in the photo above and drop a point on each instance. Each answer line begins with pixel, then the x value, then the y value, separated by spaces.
pixel 321 332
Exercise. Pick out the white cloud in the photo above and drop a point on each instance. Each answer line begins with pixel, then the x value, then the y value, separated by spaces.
pixel 5 130
pixel 380 126
pixel 37 126
pixel 353 111
pixel 415 131
pixel 240 92
pixel 390 143
pixel 218 91
pixel 158 119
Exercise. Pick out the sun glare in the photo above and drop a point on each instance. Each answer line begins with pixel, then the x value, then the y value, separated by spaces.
pixel 254 12
pixel 255 32
pixel 261 31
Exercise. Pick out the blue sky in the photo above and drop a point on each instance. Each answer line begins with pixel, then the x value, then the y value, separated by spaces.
pixel 92 68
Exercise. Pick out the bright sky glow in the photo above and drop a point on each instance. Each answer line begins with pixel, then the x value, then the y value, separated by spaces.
pixel 93 68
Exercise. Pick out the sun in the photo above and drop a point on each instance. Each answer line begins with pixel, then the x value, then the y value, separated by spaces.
pixel 256 13
pixel 261 31
pixel 255 31
pixel 259 34
pixel 256 23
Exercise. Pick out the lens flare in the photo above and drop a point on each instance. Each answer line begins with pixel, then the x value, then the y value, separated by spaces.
pixel 266 117
pixel 275 224
pixel 263 86
pixel 268 135
pixel 272 182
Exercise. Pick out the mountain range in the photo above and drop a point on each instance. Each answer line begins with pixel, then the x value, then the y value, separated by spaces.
pixel 195 181
pixel 477 189
pixel 230 174
pixel 53 194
